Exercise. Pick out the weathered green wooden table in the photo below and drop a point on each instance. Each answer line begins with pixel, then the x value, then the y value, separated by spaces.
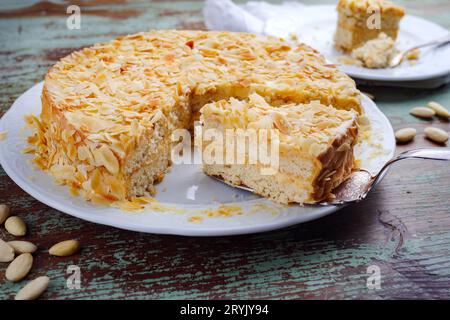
pixel 403 227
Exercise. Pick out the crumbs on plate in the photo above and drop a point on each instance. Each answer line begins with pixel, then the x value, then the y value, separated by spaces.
pixel 3 135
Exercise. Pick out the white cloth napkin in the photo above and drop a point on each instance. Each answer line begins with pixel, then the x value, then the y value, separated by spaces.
pixel 254 16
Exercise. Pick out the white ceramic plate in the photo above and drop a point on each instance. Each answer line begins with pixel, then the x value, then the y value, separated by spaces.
pixel 185 193
pixel 316 26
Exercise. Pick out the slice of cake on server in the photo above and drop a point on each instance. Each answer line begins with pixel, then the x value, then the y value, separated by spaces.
pixel 313 153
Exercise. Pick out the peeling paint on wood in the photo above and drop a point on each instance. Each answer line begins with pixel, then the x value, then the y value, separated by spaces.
pixel 403 226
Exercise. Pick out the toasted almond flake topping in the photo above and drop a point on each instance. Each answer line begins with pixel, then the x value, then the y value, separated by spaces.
pixel 107 158
pixel 306 126
pixel 83 153
pixel 281 123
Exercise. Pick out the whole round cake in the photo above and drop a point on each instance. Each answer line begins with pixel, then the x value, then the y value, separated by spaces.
pixel 108 110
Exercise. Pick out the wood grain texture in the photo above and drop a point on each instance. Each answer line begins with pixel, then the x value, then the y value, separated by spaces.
pixel 403 226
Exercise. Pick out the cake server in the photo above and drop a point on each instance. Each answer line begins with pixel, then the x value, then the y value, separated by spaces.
pixel 361 181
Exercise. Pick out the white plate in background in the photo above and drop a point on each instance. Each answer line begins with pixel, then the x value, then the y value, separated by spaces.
pixel 316 26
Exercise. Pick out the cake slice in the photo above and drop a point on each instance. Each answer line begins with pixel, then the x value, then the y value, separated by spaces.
pixel 314 147
pixel 357 22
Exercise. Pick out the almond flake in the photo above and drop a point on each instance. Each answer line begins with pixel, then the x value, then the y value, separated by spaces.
pixel 108 159
pixel 281 123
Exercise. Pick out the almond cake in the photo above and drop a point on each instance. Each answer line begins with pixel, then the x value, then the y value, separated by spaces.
pixel 108 111
pixel 356 24
pixel 315 147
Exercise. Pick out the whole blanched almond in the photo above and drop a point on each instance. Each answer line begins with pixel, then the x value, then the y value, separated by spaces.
pixel 436 134
pixel 405 135
pixel 22 246
pixel 16 226
pixel 5 212
pixel 6 252
pixel 19 268
pixel 440 110
pixel 422 112
pixel 65 248
pixel 33 289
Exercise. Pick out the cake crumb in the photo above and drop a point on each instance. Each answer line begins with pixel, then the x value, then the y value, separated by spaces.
pixel 28 150
pixel 223 211
pixel 347 60
pixel 413 55
pixel 3 135
pixel 258 207
pixel 195 219
pixel 376 53
pixel 158 207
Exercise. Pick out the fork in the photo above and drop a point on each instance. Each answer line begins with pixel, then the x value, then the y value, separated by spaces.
pixel 398 58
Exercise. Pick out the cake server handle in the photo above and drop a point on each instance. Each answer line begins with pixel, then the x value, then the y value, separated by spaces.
pixel 361 181
pixel 442 154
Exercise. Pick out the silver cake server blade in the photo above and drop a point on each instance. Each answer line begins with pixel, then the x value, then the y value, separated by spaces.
pixel 360 182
